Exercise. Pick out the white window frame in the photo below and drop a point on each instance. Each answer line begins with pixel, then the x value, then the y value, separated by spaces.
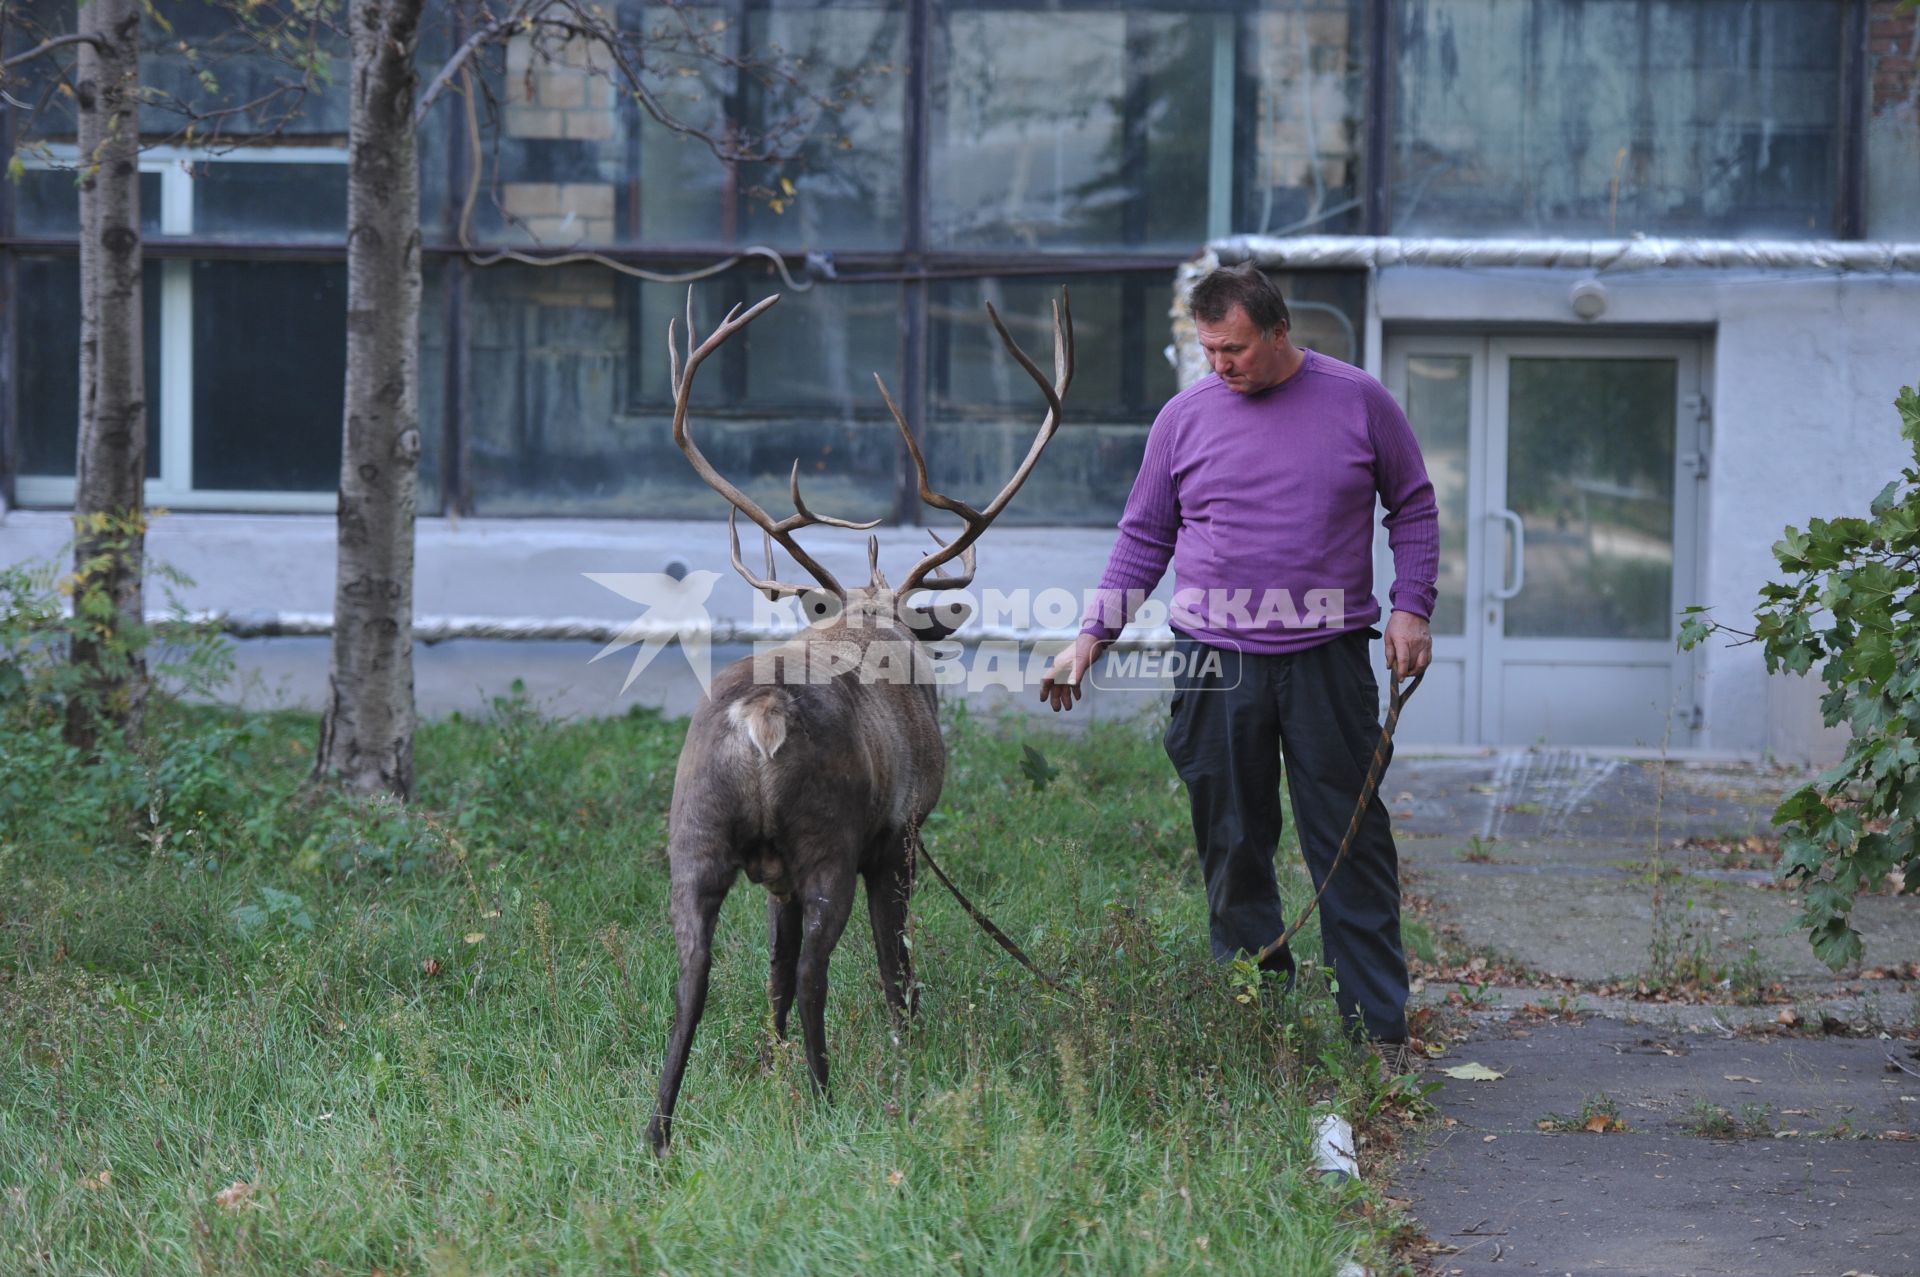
pixel 173 485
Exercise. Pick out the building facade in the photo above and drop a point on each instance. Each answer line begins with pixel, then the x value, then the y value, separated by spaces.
pixel 1641 271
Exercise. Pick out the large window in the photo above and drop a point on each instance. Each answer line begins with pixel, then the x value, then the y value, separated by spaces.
pixel 1610 117
pixel 976 150
pixel 579 162
pixel 245 360
pixel 573 407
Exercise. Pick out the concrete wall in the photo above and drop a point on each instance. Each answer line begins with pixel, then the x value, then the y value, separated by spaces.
pixel 1804 370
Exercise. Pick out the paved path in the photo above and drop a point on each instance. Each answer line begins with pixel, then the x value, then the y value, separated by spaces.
pixel 1747 1148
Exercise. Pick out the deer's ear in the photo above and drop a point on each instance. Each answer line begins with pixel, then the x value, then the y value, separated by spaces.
pixel 931 623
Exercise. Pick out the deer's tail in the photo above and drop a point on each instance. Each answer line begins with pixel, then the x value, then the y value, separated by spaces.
pixel 761 717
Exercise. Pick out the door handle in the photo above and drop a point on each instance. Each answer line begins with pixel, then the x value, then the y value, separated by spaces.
pixel 1504 591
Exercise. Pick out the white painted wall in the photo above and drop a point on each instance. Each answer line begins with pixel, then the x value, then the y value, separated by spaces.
pixel 1805 367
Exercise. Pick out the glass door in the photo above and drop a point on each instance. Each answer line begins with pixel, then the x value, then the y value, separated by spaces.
pixel 1441 382
pixel 1567 474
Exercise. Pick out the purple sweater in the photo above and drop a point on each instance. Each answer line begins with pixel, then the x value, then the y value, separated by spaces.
pixel 1265 503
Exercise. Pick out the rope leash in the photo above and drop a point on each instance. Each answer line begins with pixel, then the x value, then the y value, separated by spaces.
pixel 1000 937
pixel 1375 770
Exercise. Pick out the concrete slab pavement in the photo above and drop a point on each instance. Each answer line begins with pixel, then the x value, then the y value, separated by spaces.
pixel 1545 864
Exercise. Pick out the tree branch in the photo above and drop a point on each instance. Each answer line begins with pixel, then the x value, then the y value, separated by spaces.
pixel 461 56
pixel 58 42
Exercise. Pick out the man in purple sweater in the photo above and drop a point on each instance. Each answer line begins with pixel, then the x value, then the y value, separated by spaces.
pixel 1258 484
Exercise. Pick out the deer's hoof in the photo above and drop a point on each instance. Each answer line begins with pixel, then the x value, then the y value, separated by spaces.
pixel 659 1134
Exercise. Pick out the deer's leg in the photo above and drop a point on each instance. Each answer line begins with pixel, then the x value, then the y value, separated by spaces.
pixel 697 895
pixel 889 885
pixel 783 948
pixel 826 901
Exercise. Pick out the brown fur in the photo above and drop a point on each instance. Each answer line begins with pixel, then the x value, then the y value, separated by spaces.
pixel 803 786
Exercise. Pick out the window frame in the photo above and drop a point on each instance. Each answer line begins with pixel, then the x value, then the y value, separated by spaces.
pixel 172 486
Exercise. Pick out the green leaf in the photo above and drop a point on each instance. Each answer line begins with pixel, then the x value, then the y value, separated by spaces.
pixel 1870 713
pixel 1836 944
pixel 1802 805
pixel 1035 767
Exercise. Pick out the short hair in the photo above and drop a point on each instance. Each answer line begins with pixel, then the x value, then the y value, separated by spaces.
pixel 1245 286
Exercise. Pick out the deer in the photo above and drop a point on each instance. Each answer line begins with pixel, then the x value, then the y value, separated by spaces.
pixel 816 763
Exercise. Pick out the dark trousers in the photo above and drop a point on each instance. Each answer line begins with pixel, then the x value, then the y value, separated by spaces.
pixel 1236 716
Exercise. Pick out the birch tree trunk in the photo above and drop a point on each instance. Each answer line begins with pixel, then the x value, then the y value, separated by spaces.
pixel 366 737
pixel 111 458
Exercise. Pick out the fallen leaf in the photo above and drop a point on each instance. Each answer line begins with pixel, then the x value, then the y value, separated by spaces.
pixel 234 1195
pixel 431 966
pixel 1740 1077
pixel 1788 1017
pixel 1600 1124
pixel 1473 1072
pixel 896 1178
pixel 475 937
pixel 1488 1139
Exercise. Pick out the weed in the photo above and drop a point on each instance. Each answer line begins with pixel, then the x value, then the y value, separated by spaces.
pixel 1598 1115
pixel 1717 1122
pixel 1478 851
pixel 1477 996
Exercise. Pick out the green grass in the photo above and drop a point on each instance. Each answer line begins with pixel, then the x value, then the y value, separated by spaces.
pixel 427 1040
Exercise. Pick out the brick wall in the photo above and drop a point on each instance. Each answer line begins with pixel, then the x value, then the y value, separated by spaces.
pixel 566 95
pixel 1893 44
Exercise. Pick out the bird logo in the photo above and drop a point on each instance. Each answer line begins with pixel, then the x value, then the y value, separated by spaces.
pixel 676 609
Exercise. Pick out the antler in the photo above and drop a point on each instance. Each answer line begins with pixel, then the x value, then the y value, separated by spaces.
pixel 977 521
pixel 771 530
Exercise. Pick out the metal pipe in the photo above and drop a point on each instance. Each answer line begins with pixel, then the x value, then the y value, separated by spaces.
pixel 1359 252
pixel 583 629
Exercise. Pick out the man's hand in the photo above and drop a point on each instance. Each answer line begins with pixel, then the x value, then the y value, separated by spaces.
pixel 1409 644
pixel 1061 686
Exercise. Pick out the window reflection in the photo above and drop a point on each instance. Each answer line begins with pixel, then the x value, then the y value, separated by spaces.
pixel 267 398
pixel 1305 172
pixel 573 408
pixel 577 162
pixel 1615 116
pixel 986 410
pixel 48 319
pixel 1082 128
pixel 1440 408
pixel 257 200
pixel 1590 473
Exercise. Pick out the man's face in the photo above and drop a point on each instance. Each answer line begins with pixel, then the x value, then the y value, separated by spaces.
pixel 1246 361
